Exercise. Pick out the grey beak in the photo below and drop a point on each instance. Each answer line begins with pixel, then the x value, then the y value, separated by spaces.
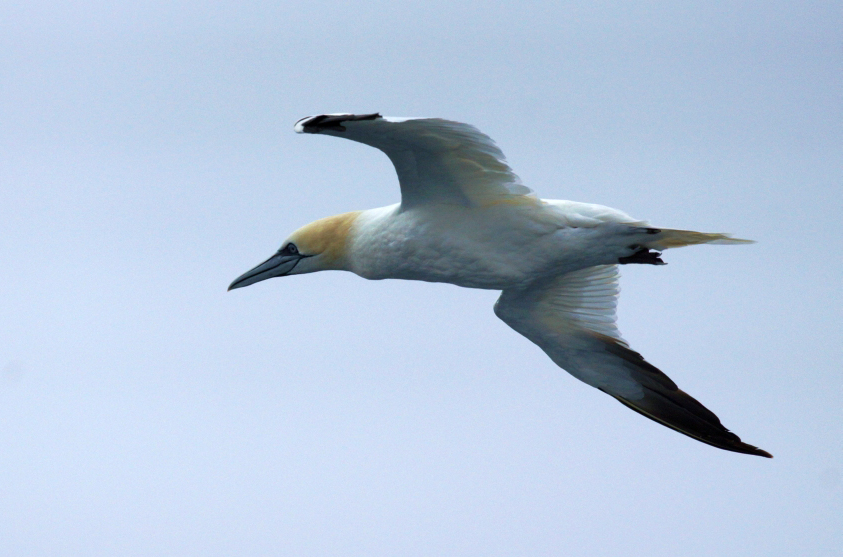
pixel 276 266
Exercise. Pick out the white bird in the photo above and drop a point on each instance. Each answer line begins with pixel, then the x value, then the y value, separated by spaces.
pixel 465 218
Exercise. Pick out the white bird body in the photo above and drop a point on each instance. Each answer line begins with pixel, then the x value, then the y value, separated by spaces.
pixel 496 247
pixel 466 219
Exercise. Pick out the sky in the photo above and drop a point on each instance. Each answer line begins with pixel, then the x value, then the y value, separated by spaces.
pixel 147 159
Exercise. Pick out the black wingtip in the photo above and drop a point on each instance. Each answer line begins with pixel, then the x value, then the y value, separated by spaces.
pixel 330 122
pixel 712 433
pixel 760 452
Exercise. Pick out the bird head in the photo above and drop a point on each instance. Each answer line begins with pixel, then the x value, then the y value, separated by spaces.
pixel 318 246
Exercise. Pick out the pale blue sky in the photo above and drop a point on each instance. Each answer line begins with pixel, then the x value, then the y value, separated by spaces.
pixel 147 158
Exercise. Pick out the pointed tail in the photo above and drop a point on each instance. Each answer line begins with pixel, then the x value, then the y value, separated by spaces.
pixel 667 238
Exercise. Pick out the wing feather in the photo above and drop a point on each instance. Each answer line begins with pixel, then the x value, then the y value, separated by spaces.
pixel 572 318
pixel 437 161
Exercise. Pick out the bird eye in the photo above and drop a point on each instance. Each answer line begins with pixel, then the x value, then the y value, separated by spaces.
pixel 291 248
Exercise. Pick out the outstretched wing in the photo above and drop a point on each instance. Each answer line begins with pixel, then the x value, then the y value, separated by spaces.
pixel 572 318
pixel 437 161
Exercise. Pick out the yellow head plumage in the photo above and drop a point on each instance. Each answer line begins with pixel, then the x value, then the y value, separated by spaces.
pixel 319 246
pixel 326 238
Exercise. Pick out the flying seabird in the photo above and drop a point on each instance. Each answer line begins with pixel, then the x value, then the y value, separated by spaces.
pixel 465 218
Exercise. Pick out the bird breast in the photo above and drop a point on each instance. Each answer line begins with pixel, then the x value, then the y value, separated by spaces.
pixel 467 247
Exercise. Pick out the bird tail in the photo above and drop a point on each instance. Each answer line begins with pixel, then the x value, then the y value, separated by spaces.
pixel 667 238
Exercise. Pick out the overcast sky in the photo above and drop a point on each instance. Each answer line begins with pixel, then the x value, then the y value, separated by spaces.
pixel 147 159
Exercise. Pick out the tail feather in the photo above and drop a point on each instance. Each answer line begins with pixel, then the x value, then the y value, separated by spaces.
pixel 668 238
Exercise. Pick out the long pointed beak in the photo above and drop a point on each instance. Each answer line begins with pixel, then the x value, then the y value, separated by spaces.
pixel 276 266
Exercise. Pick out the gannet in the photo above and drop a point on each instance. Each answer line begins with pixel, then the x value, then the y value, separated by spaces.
pixel 465 218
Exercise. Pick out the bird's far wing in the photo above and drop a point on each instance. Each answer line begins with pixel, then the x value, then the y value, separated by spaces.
pixel 437 161
pixel 572 318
